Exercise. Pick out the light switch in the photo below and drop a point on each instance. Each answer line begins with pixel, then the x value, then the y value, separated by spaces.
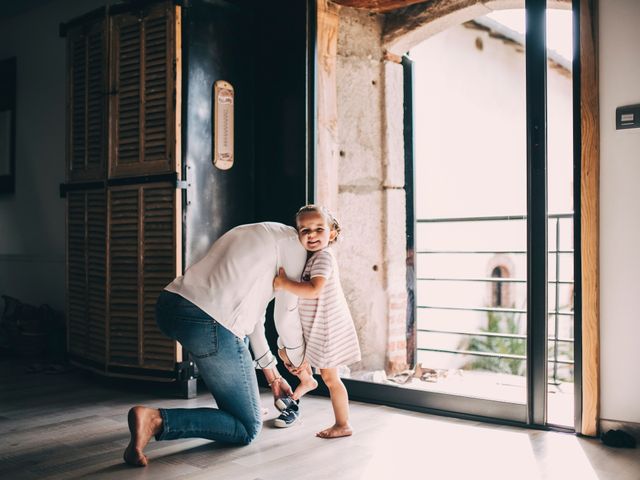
pixel 628 117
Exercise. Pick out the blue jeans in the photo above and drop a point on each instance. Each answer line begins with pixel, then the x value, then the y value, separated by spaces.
pixel 225 365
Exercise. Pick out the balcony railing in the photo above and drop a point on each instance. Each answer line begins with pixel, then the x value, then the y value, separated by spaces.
pixel 554 315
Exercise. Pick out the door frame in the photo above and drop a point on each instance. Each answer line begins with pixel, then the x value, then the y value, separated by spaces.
pixel 586 163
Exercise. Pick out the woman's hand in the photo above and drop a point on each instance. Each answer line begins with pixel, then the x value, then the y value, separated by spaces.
pixel 280 281
pixel 280 388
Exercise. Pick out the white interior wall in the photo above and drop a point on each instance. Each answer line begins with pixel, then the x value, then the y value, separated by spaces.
pixel 619 218
pixel 32 221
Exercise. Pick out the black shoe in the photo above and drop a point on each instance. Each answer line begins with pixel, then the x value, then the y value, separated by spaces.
pixel 288 417
pixel 618 438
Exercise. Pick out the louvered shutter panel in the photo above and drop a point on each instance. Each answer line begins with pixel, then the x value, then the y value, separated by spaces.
pixel 143 261
pixel 122 241
pixel 87 102
pixel 143 105
pixel 96 274
pixel 124 279
pixel 127 98
pixel 86 273
pixel 159 269
pixel 76 273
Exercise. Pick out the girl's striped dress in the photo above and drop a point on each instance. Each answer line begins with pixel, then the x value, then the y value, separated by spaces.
pixel 326 321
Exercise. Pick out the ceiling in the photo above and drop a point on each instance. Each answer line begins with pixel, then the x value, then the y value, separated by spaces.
pixel 12 8
pixel 378 5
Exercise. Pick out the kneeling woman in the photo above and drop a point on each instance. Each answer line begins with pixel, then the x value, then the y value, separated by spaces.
pixel 210 310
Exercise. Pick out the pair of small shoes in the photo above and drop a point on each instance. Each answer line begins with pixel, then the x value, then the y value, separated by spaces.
pixel 618 438
pixel 289 416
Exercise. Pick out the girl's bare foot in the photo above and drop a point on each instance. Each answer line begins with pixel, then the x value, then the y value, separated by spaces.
pixel 336 431
pixel 144 422
pixel 305 386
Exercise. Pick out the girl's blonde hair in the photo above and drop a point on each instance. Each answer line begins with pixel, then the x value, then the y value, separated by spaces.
pixel 324 211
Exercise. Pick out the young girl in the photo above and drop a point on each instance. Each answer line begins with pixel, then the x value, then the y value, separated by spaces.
pixel 327 325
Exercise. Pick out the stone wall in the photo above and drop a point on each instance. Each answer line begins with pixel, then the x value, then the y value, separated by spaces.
pixel 371 196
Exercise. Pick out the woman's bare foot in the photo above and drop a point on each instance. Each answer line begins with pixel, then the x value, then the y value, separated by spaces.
pixel 144 422
pixel 305 386
pixel 336 431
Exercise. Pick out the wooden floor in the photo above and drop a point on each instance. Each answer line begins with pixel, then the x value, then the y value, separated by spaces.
pixel 73 425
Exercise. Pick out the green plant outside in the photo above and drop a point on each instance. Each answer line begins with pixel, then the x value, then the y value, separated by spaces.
pixel 508 323
pixel 499 322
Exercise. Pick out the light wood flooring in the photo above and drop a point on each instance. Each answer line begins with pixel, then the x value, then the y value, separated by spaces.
pixel 73 425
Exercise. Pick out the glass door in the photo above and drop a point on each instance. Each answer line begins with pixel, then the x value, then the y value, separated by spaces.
pixel 488 143
pixel 560 223
pixel 471 210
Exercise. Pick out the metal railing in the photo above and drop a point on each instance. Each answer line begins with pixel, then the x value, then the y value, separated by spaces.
pixel 554 340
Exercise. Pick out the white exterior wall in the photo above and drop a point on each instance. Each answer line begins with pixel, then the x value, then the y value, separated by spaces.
pixel 619 213
pixel 470 145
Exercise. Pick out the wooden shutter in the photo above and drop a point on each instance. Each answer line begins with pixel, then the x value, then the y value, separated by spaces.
pixel 143 103
pixel 159 268
pixel 97 274
pixel 76 273
pixel 143 260
pixel 87 104
pixel 124 209
pixel 86 273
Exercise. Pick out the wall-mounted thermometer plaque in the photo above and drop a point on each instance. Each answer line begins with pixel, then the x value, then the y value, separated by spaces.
pixel 223 102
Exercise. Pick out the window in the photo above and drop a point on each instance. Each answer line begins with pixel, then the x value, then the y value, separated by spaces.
pixel 500 294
